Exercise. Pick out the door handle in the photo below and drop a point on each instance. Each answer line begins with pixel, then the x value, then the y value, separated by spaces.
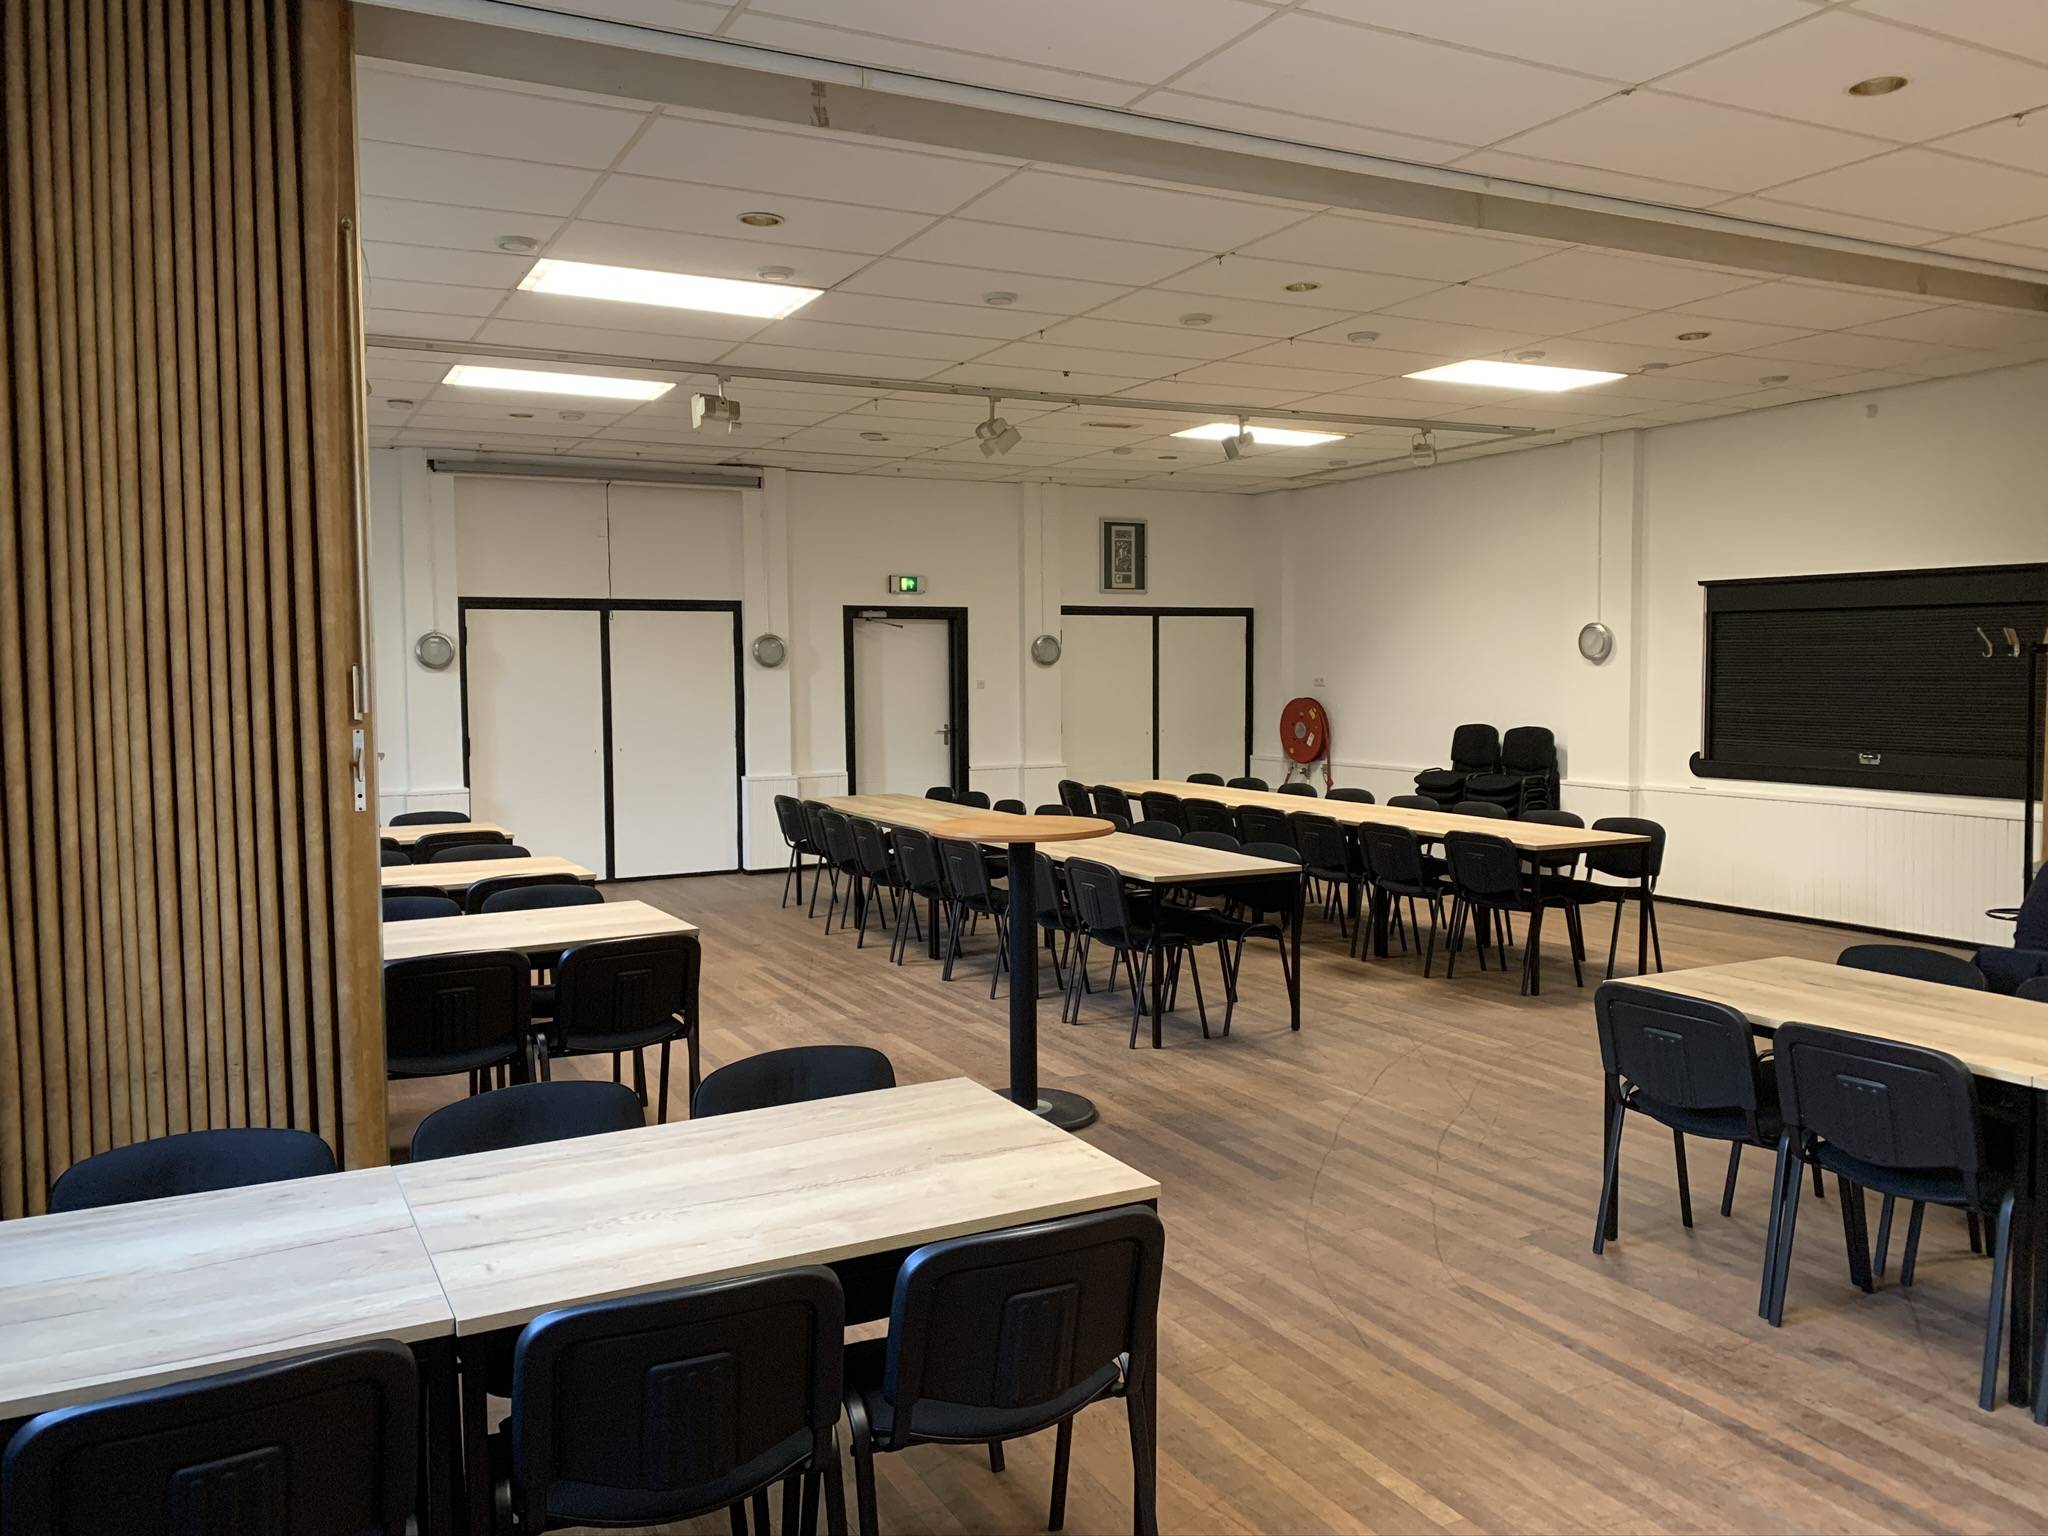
pixel 946 731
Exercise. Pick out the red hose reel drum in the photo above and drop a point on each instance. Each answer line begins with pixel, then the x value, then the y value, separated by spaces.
pixel 1305 733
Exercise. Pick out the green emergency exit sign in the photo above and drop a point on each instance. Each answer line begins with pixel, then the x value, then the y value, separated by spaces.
pixel 906 586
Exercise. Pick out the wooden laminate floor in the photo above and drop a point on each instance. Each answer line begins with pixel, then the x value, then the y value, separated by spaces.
pixel 1381 1311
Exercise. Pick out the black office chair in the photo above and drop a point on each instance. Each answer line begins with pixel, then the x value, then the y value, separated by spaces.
pixel 1105 915
pixel 525 1115
pixel 464 853
pixel 842 858
pixel 429 819
pixel 410 906
pixel 1691 1066
pixel 1116 823
pixel 188 1163
pixel 943 792
pixel 1248 782
pixel 1475 749
pixel 1158 805
pixel 1909 960
pixel 660 1408
pixel 1111 801
pixel 814 830
pixel 1206 778
pixel 1005 1334
pixel 1164 831
pixel 1484 808
pixel 1207 816
pixel 1052 810
pixel 796 1075
pixel 796 832
pixel 424 848
pixel 1056 919
pixel 1413 802
pixel 1263 824
pixel 392 858
pixel 1010 806
pixel 975 798
pixel 1355 796
pixel 1263 909
pixel 1074 796
pixel 1397 869
pixel 2033 989
pixel 878 871
pixel 969 893
pixel 465 1012
pixel 1329 855
pixel 1486 876
pixel 1298 787
pixel 1638 864
pixel 1899 1119
pixel 917 861
pixel 1222 841
pixel 324 1442
pixel 614 996
pixel 482 892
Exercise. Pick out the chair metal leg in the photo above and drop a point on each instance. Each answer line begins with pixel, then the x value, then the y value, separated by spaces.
pixel 995 1455
pixel 1994 1317
pixel 863 1467
pixel 1613 939
pixel 1144 1466
pixel 737 1512
pixel 1855 1234
pixel 1912 1253
pixel 761 1511
pixel 1734 1167
pixel 1656 941
pixel 1062 1454
pixel 661 1117
pixel 1783 1172
pixel 1684 1183
pixel 1884 1236
pixel 1788 1222
pixel 1610 1169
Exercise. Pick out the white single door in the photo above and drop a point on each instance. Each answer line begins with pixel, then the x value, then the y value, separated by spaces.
pixel 1106 696
pixel 902 706
pixel 675 743
pixel 536 728
pixel 1201 695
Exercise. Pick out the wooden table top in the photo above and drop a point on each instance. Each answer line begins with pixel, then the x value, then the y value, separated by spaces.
pixel 541 929
pixel 1151 860
pixel 1003 827
pixel 411 832
pixel 2005 1038
pixel 455 876
pixel 96 1303
pixel 514 1233
pixel 1529 836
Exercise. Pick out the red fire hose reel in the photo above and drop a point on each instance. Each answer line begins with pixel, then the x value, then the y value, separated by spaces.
pixel 1305 735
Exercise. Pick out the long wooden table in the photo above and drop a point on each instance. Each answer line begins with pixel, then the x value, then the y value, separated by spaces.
pixel 1146 860
pixel 2000 1039
pixel 410 832
pixel 539 930
pixel 1539 840
pixel 460 876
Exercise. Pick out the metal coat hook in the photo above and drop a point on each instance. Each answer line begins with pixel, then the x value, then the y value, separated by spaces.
pixel 2012 638
pixel 1990 650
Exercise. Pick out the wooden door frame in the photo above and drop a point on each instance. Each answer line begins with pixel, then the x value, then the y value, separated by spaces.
pixel 956 679
pixel 604 608
pixel 1135 611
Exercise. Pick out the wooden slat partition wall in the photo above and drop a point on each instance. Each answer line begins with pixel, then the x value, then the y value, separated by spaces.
pixel 188 915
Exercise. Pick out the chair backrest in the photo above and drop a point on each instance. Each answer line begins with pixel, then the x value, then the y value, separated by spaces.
pixel 1248 782
pixel 1111 801
pixel 1052 810
pixel 656 1408
pixel 424 848
pixel 463 853
pixel 1897 1106
pixel 410 906
pixel 1393 855
pixel 618 994
pixel 1010 806
pixel 518 895
pixel 1165 831
pixel 918 860
pixel 1158 805
pixel 323 1442
pixel 1631 861
pixel 1263 824
pixel 429 818
pixel 1553 818
pixel 789 815
pixel 524 1115
pixel 1260 895
pixel 942 792
pixel 1911 960
pixel 455 1013
pixel 1529 749
pixel 871 848
pixel 1414 802
pixel 1224 842
pixel 1479 808
pixel 1483 866
pixel 391 858
pixel 1681 1052
pixel 1117 823
pixel 1475 748
pixel 977 798
pixel 188 1164
pixel 838 834
pixel 1207 816
pixel 1355 796
pixel 482 892
pixel 966 871
pixel 1074 796
pixel 2034 989
pixel 1298 787
pixel 1046 891
pixel 1324 846
pixel 1096 894
pixel 1017 1329
pixel 1205 778
pixel 2030 928
pixel 796 1075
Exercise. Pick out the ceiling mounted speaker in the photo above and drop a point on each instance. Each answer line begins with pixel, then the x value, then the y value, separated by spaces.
pixel 770 650
pixel 434 651
pixel 1045 650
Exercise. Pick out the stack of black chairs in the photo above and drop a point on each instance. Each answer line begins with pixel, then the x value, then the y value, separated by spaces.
pixel 1517 772
pixel 1475 749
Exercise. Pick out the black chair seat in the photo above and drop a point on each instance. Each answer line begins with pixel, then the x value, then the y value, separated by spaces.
pixel 867 1366
pixel 1719 1124
pixel 1935 1186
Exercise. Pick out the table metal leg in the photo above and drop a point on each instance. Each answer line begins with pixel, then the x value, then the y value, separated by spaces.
pixel 1068 1111
pixel 440 1435
pixel 1294 948
pixel 1381 905
pixel 2029 1277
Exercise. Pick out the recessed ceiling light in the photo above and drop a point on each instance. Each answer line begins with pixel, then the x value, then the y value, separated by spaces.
pixel 399 405
pixel 1196 318
pixel 1694 335
pixel 518 245
pixel 1499 375
pixel 775 274
pixel 1775 378
pixel 1265 437
pixel 570 415
pixel 999 299
pixel 1362 338
pixel 874 437
pixel 1878 85
pixel 1122 451
pixel 761 220
pixel 536 381
pixel 671 290
pixel 1653 368
pixel 1530 357
pixel 1304 286
pixel 1113 426
pixel 1338 463
pixel 520 415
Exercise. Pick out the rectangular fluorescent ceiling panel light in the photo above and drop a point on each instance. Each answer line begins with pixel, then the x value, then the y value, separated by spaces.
pixel 533 381
pixel 673 290
pixel 1534 377
pixel 1265 437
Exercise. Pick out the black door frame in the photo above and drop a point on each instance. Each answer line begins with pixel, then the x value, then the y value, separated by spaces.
pixel 1132 611
pixel 956 679
pixel 604 608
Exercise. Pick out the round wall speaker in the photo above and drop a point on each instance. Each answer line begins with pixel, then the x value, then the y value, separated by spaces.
pixel 1596 642
pixel 1045 650
pixel 770 650
pixel 434 651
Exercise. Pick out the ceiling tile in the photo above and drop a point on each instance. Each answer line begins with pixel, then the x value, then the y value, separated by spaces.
pixel 1589 179
pixel 1586 273
pixel 1983 248
pixel 1077 359
pixel 1467 305
pixel 1293 128
pixel 1805 72
pixel 1250 317
pixel 1650 133
pixel 1965 325
pixel 707 329
pixel 1853 351
pixel 426 264
pixel 673 15
pixel 895 278
pixel 591 338
pixel 462 229
pixel 1752 371
pixel 1399 334
pixel 1401 250
pixel 1178 341
pixel 997 375
pixel 1267 376
pixel 1308 64
pixel 816 165
pixel 2013 26
pixel 846 308
pixel 1206 393
pixel 1950 194
pixel 473 181
pixel 1808 306
pixel 1663 329
pixel 1039 199
pixel 668 250
pixel 436 113
pixel 1785 215
pixel 433 298
pixel 756 354
pixel 657 204
pixel 966 243
pixel 1608 356
pixel 1368 362
pixel 799 330
pixel 1244 277
pixel 2021 142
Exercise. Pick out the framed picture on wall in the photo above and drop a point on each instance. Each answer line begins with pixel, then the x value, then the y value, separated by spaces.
pixel 1123 556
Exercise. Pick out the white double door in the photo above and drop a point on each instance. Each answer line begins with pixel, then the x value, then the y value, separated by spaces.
pixel 607 735
pixel 1153 695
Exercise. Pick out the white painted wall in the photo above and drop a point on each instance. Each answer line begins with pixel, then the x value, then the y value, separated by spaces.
pixel 1424 599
